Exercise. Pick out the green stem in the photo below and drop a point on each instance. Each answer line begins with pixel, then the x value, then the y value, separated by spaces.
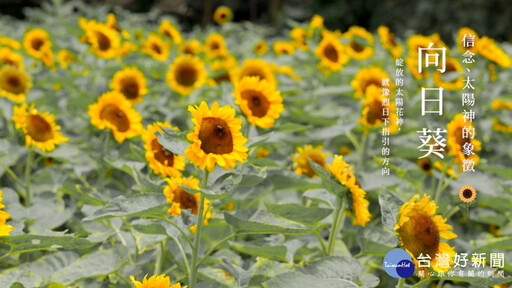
pixel 159 256
pixel 183 254
pixel 324 249
pixel 363 149
pixel 437 194
pixel 401 283
pixel 452 211
pixel 354 141
pixel 11 173
pixel 222 242
pixel 28 169
pixel 339 216
pixel 197 236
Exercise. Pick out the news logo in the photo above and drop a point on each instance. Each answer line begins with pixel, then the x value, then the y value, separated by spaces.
pixel 398 264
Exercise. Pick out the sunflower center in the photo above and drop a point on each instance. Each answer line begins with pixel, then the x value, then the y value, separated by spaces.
pixel 130 88
pixel 186 75
pixel 467 193
pixel 450 67
pixel 186 200
pixel 426 167
pixel 253 72
pixel 14 84
pixel 162 155
pixel 458 136
pixel 257 102
pixel 215 45
pixel 375 112
pixel 420 234
pixel 38 128
pixel 356 47
pixel 222 16
pixel 116 116
pixel 215 136
pixel 331 53
pixel 37 43
pixel 391 40
pixel 103 41
pixel 156 48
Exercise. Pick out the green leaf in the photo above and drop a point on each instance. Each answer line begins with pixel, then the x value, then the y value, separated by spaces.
pixel 28 243
pixel 282 179
pixel 252 175
pixel 140 205
pixel 154 228
pixel 308 216
pixel 262 221
pixel 292 127
pixel 277 252
pixel 389 206
pixel 17 285
pixel 173 141
pixel 222 188
pixel 330 183
pixel 258 140
pixel 376 241
pixel 322 195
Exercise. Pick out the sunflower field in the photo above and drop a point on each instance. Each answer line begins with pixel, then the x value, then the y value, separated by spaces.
pixel 136 153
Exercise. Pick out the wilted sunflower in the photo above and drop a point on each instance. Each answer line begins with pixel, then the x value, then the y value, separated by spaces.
pixel 131 83
pixel 64 57
pixel 39 128
pixel 299 35
pixel 420 231
pixel 261 47
pixel 162 161
pixel 160 281
pixel 169 30
pixel 216 138
pixel 261 103
pixel 499 126
pixel 367 77
pixel 345 174
pixel 301 162
pixel 192 47
pixel 331 53
pixel 14 83
pixel 254 67
pixel 452 66
pixel 4 228
pixel 372 114
pixel 156 47
pixel 215 46
pixel 283 47
pixel 9 57
pixel 222 15
pixel 317 22
pixel 186 74
pixel 490 50
pixel 35 40
pixel 105 41
pixel 388 42
pixel 181 199
pixel 456 143
pixel 460 40
pixel 114 111
pixel 425 164
pixel 467 194
pixel 360 43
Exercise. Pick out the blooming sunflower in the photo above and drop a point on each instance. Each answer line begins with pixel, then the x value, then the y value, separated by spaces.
pixel 47 57
pixel 299 35
pixel 220 68
pixel 361 42
pixel 65 57
pixel 180 199
pixel 317 22
pixel 372 114
pixel 425 165
pixel 14 83
pixel 456 143
pixel 131 83
pixel 262 152
pixel 301 162
pixel 160 281
pixel 9 57
pixel 34 40
pixel 186 74
pixel 4 228
pixel 460 40
pixel 39 128
pixel 114 111
pixel 254 67
pixel 345 174
pixel 412 64
pixel 421 41
pixel 105 41
pixel 156 47
pixel 286 70
pixel 162 161
pixel 12 43
pixel 169 30
pixel 283 47
pixel 216 138
pixel 215 46
pixel 452 66
pixel 388 42
pixel 490 50
pixel 367 77
pixel 448 169
pixel 499 126
pixel 420 231
pixel 467 194
pixel 261 47
pixel 192 47
pixel 222 15
pixel 261 103
pixel 331 53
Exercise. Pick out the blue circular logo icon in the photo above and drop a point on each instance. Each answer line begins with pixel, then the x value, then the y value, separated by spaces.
pixel 398 264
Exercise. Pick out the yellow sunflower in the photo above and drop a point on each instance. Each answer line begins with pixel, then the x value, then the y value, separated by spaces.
pixel 220 68
pixel 499 126
pixel 12 43
pixel 254 67
pixel 114 111
pixel 367 77
pixel 388 42
pixel 453 66
pixel 360 43
pixel 160 281
pixel 131 83
pixel 261 103
pixel 262 152
pixel 216 138
pixel 467 194
pixel 9 57
pixel 283 47
pixel 261 47
pixel 47 57
pixel 162 161
pixel 456 143
pixel 35 40
pixel 372 110
pixel 299 35
pixel 412 64
pixel 192 47
pixel 493 76
pixel 222 15
pixel 420 232
pixel 4 228
pixel 301 162
pixel 490 50
pixel 105 41
pixel 286 70
pixel 169 30
pixel 448 169
pixel 317 22
pixel 345 174
pixel 331 53
pixel 425 165
pixel 180 199
pixel 65 57
pixel 186 74
pixel 460 38
pixel 14 83
pixel 156 47
pixel 417 41
pixel 215 46
pixel 39 128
